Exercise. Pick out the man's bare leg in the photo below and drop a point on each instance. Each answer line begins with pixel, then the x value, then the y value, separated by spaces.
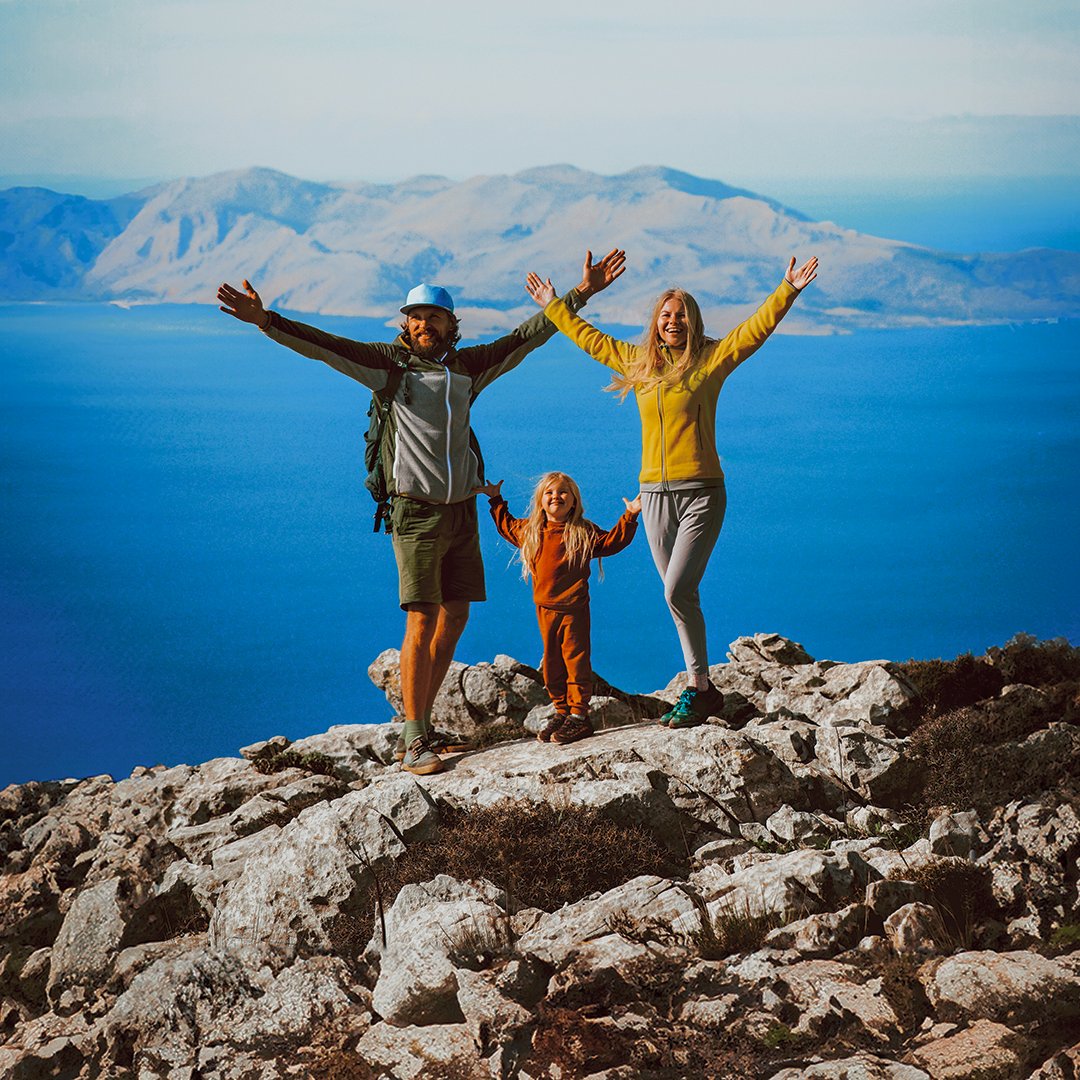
pixel 453 615
pixel 421 623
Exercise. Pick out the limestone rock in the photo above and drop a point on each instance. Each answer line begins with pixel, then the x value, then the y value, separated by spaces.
pixel 821 935
pixel 431 930
pixel 862 1067
pixel 471 696
pixel 958 833
pixel 916 929
pixel 290 900
pixel 797 826
pixel 985 1050
pixel 1008 988
pixel 415 1053
pixel 353 748
pixel 768 649
pixel 86 947
pixel 819 995
pixel 807 882
pixel 636 910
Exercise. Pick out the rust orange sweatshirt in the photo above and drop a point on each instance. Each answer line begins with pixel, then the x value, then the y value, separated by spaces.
pixel 556 584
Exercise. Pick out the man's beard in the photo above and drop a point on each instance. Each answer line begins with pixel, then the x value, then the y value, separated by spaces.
pixel 432 348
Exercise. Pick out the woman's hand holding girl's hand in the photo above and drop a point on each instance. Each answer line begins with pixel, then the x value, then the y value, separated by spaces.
pixel 633 506
pixel 492 491
pixel 804 275
pixel 543 292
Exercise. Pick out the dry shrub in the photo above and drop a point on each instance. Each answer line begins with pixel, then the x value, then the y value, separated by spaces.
pixel 730 932
pixel 538 855
pixel 499 732
pixel 951 684
pixel 1025 659
pixel 976 756
pixel 959 890
pixel 278 760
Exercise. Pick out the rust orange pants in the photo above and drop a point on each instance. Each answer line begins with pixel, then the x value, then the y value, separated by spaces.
pixel 567 668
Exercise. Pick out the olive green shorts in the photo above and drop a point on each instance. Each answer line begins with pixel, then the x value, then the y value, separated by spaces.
pixel 437 547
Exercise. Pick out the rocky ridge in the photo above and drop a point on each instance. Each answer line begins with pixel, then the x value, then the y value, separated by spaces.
pixel 238 919
pixel 356 249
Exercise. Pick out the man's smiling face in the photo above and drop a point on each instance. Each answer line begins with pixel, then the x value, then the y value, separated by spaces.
pixel 430 330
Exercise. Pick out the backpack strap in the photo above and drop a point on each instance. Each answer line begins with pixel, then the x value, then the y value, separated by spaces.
pixel 381 400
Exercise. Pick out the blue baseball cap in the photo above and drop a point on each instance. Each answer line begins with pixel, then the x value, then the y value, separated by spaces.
pixel 424 295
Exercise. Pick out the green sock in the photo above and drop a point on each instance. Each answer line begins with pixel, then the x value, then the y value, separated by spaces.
pixel 427 722
pixel 414 729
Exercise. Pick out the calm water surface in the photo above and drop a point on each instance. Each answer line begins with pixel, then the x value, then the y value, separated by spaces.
pixel 188 563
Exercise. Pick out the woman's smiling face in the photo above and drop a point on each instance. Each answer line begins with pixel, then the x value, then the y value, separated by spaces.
pixel 671 323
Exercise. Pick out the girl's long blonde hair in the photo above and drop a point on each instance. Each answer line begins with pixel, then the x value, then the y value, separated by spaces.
pixel 647 369
pixel 577 534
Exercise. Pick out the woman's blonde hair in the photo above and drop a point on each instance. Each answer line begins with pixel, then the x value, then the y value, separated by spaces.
pixel 577 534
pixel 647 369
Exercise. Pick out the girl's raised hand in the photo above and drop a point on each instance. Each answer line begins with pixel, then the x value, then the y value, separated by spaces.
pixel 543 292
pixel 492 491
pixel 804 275
pixel 633 506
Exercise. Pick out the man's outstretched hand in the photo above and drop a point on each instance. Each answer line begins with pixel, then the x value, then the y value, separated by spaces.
pixel 541 290
pixel 245 306
pixel 598 276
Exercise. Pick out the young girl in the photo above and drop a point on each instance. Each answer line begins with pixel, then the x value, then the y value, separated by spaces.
pixel 676 374
pixel 557 544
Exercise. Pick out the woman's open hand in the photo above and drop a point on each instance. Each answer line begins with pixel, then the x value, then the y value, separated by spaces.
pixel 804 275
pixel 598 276
pixel 543 292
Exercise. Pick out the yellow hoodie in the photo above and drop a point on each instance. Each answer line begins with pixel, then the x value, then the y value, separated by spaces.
pixel 678 423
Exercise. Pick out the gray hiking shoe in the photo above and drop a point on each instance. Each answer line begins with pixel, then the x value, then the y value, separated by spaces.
pixel 420 759
pixel 439 742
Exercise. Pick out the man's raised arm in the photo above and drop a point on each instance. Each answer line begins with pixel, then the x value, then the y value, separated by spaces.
pixel 367 362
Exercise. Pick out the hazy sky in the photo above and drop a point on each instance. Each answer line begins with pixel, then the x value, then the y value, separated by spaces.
pixel 349 89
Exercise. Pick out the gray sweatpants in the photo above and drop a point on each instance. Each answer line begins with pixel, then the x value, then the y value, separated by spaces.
pixel 683 527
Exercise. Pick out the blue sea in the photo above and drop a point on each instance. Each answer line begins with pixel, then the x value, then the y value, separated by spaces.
pixel 188 563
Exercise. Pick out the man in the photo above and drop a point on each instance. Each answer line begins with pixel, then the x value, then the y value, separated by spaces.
pixel 432 470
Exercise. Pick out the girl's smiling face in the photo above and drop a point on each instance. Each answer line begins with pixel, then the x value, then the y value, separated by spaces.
pixel 671 323
pixel 557 501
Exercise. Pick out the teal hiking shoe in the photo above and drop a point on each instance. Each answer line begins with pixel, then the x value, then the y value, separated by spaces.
pixel 694 707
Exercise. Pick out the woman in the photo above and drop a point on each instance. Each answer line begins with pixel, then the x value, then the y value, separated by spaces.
pixel 676 374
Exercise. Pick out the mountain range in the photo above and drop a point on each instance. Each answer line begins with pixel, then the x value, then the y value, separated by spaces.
pixel 356 249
